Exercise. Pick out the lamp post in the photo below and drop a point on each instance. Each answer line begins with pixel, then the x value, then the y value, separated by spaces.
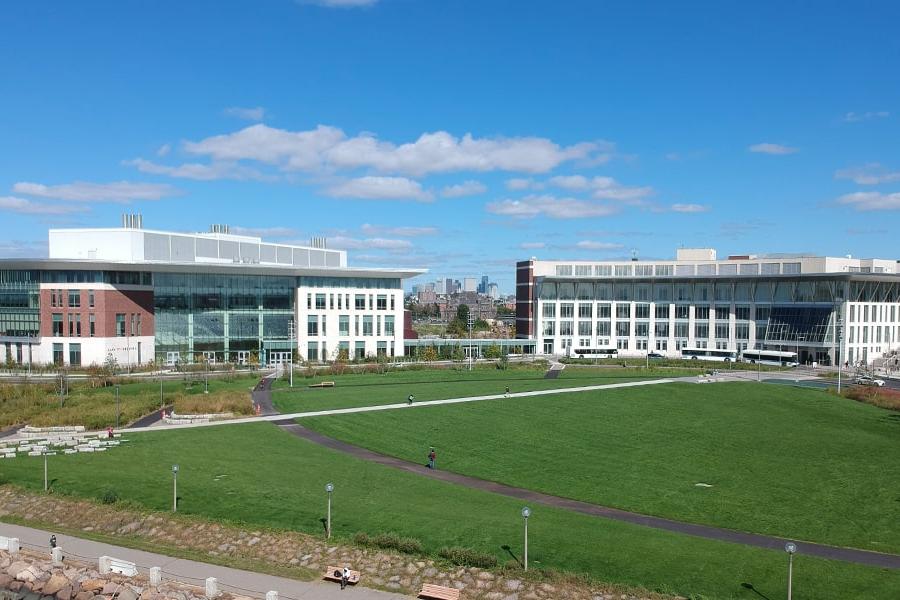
pixel 471 322
pixel 526 512
pixel 839 338
pixel 206 377
pixel 790 548
pixel 174 488
pixel 291 331
pixel 329 487
pixel 45 471
pixel 118 410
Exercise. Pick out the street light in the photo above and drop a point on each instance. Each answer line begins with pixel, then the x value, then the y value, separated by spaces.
pixel 291 330
pixel 329 487
pixel 118 411
pixel 174 488
pixel 838 338
pixel 790 548
pixel 45 471
pixel 526 512
pixel 471 322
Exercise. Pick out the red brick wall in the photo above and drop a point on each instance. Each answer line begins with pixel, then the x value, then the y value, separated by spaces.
pixel 107 303
pixel 524 299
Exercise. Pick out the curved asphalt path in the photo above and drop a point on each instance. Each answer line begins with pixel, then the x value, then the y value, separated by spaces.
pixel 864 557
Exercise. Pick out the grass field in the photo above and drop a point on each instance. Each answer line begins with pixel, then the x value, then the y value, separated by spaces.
pixel 257 474
pixel 95 408
pixel 437 384
pixel 781 460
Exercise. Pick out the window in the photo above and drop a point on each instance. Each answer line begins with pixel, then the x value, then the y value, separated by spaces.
pixel 701 330
pixel 604 328
pixel 549 328
pixel 92 325
pixel 312 351
pixel 682 312
pixel 604 311
pixel 566 310
pixel 681 330
pixel 90 298
pixel 584 328
pixel 742 331
pixel 623 329
pixel 762 313
pixel 392 308
pixel 341 303
pixel 642 329
pixel 661 330
pixel 602 270
pixel 643 270
pixel 549 310
pixel 71 319
pixel 343 325
pixel 360 350
pixel 53 298
pixel 642 311
pixel 75 354
pixel 582 270
pixel 563 270
pixel 662 344
pixel 57 325
pixel 742 313
pixel 623 311
pixel 77 325
pixel 312 325
pixel 585 311
pixel 133 323
pixel 623 270
pixel 565 327
pixel 722 313
pixel 360 301
pixel 381 303
pixel 74 298
pixel 622 344
pixel 57 354
pixel 320 301
pixel 722 331
pixel 389 325
pixel 701 313
pixel 331 301
pixel 367 324
pixel 140 327
pixel 309 301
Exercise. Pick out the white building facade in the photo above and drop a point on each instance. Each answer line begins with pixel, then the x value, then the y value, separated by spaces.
pixel 825 309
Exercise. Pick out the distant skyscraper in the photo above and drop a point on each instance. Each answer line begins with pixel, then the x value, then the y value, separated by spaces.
pixel 469 284
pixel 440 286
pixel 448 286
pixel 493 291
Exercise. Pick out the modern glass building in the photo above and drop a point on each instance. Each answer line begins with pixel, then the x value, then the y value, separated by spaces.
pixel 136 296
pixel 824 309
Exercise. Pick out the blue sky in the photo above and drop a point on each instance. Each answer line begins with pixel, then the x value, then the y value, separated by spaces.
pixel 458 136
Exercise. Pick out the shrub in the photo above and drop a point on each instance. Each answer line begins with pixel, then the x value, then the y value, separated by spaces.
pixel 389 541
pixel 109 496
pixel 468 557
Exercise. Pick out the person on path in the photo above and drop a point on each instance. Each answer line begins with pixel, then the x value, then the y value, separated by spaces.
pixel 410 399
pixel 52 544
pixel 507 391
pixel 431 457
pixel 109 432
pixel 345 576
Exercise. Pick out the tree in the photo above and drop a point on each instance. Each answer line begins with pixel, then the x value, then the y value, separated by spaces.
pixel 492 351
pixel 462 313
pixel 430 354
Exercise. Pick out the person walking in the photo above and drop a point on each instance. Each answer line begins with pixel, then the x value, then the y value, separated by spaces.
pixel 431 457
pixel 52 544
pixel 345 576
pixel 409 400
pixel 507 391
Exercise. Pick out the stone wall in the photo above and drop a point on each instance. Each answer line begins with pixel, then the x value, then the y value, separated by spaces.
pixel 307 554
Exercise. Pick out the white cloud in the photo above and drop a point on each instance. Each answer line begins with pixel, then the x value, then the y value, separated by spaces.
pixel 519 183
pixel 767 148
pixel 199 171
pixel 594 245
pixel 602 188
pixel 870 174
pixel 29 207
pixel 264 232
pixel 466 188
pixel 689 208
pixel 23 249
pixel 852 117
pixel 83 191
pixel 257 113
pixel 867 201
pixel 532 245
pixel 380 188
pixel 380 230
pixel 549 206
pixel 163 150
pixel 437 152
pixel 348 243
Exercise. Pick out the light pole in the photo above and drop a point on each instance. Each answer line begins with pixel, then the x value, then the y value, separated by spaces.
pixel 838 337
pixel 471 358
pixel 329 487
pixel 174 488
pixel 118 410
pixel 45 471
pixel 790 548
pixel 526 512
pixel 206 377
pixel 291 331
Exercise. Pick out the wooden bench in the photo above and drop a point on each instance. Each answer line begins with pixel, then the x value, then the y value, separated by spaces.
pixel 334 574
pixel 438 592
pixel 322 384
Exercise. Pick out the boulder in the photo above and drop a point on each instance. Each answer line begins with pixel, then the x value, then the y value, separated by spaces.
pixel 54 584
pixel 65 593
pixel 17 567
pixel 92 585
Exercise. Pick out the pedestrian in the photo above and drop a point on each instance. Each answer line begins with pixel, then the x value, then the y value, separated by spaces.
pixel 507 391
pixel 410 399
pixel 345 576
pixel 109 432
pixel 52 544
pixel 431 457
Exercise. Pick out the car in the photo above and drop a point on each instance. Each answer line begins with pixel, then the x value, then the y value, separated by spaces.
pixel 655 356
pixel 866 380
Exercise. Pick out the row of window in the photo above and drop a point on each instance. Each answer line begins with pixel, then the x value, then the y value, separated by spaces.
pixel 58 298
pixel 319 351
pixel 73 320
pixel 640 270
pixel 370 325
pixel 727 291
pixel 660 330
pixel 327 302
pixel 875 333
pixel 879 312
pixel 74 354
pixel 661 311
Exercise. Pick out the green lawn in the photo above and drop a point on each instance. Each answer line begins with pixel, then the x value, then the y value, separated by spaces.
pixel 39 404
pixel 261 476
pixel 781 460
pixel 437 384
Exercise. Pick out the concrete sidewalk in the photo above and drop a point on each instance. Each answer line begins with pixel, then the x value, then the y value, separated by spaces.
pixel 195 573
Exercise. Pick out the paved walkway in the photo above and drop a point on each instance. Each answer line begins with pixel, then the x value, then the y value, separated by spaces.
pixel 195 573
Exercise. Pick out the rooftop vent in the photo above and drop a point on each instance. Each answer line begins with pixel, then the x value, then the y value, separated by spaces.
pixel 219 228
pixel 318 242
pixel 634 254
pixel 132 221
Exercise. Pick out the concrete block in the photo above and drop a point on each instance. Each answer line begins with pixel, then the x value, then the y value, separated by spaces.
pixel 273 595
pixel 57 555
pixel 212 587
pixel 155 576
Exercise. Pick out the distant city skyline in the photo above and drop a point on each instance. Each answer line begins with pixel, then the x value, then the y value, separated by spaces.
pixel 458 137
